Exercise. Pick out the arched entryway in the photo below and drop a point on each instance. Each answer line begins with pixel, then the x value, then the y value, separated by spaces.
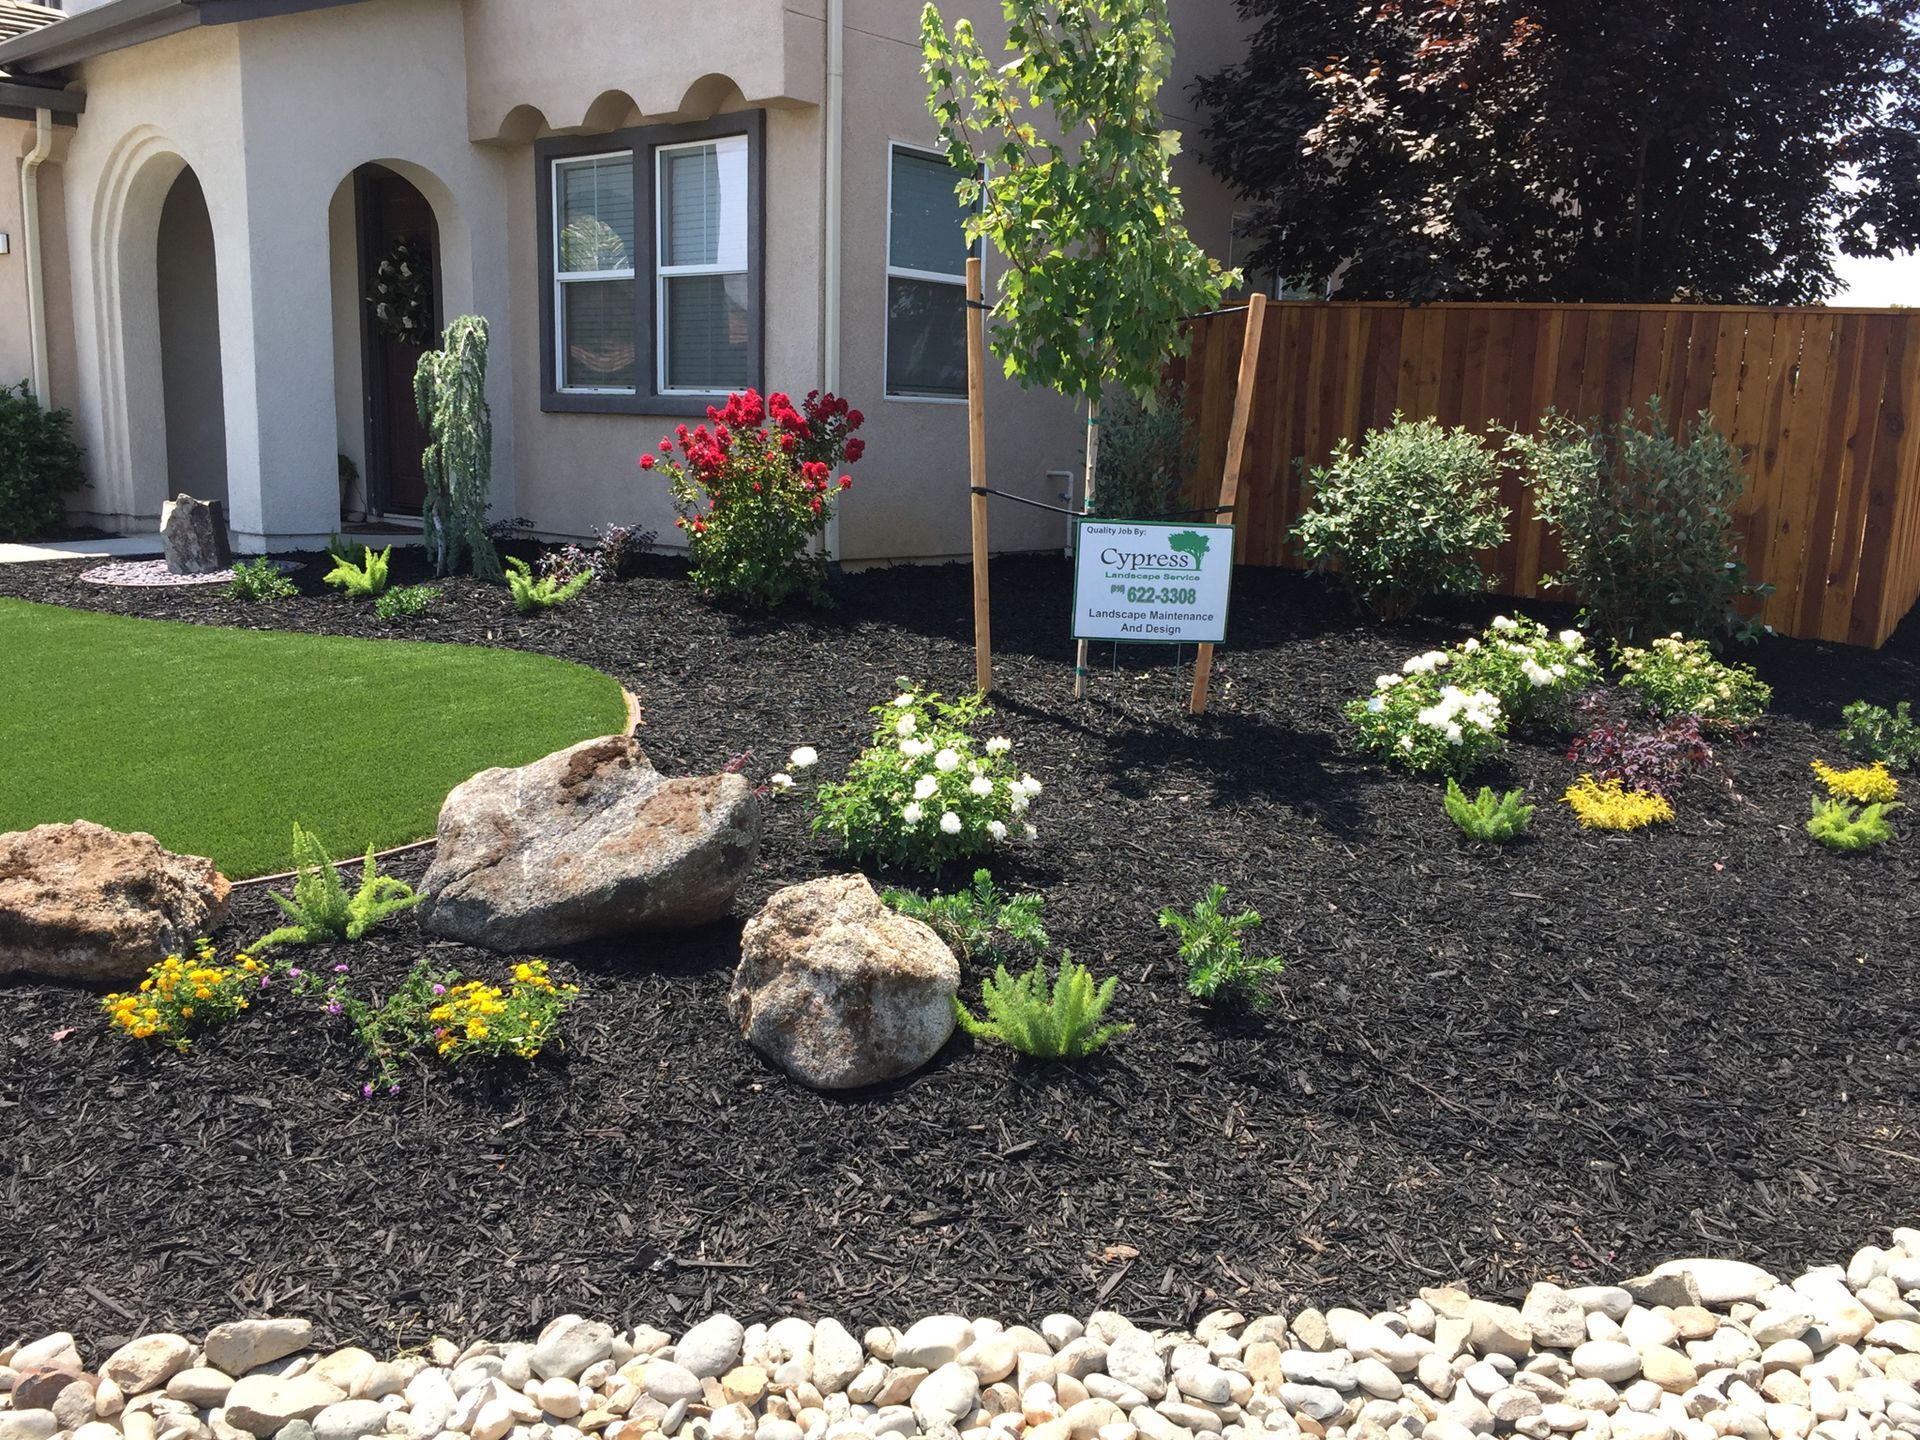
pixel 192 389
pixel 397 240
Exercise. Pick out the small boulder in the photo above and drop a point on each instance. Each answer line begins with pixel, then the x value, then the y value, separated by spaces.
pixel 264 1404
pixel 242 1345
pixel 193 536
pixel 589 843
pixel 84 903
pixel 839 990
pixel 148 1363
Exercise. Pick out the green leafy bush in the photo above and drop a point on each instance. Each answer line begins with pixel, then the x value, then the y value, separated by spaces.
pixel 1418 721
pixel 1061 1023
pixel 321 909
pixel 363 581
pixel 1874 732
pixel 1216 959
pixel 1490 817
pixel 1645 519
pixel 404 603
pixel 533 593
pixel 39 466
pixel 1841 825
pixel 1146 449
pixel 979 921
pixel 1673 676
pixel 258 580
pixel 1535 674
pixel 925 791
pixel 1406 517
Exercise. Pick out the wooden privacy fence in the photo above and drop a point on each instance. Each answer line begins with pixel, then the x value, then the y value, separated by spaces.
pixel 1820 402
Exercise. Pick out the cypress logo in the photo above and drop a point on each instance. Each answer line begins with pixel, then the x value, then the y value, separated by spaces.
pixel 1188 542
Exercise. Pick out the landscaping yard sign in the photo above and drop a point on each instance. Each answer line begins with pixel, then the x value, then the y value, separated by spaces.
pixel 1151 584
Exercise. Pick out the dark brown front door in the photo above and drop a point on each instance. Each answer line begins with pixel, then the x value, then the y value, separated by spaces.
pixel 391 211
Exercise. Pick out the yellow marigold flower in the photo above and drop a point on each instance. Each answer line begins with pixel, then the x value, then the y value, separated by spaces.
pixel 1611 806
pixel 186 1009
pixel 1864 784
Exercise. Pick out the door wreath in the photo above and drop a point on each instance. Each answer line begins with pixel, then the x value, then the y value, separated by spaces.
pixel 402 294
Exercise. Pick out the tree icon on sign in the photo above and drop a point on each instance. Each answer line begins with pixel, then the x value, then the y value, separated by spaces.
pixel 1189 542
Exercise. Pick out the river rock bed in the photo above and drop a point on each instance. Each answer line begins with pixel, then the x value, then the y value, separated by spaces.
pixel 1697 1349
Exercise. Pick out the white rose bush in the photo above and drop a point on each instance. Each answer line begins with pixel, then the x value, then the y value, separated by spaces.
pixel 1447 711
pixel 925 791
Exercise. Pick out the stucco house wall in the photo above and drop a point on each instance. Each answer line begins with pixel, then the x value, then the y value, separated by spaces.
pixel 16 336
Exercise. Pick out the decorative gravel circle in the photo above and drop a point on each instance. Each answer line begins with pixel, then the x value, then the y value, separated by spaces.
pixel 149 573
pixel 1698 1349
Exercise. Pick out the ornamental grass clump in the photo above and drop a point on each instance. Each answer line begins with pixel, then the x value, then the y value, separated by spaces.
pixel 1490 817
pixel 1061 1023
pixel 1609 805
pixel 981 922
pixel 321 910
pixel 1863 784
pixel 1874 732
pixel 533 594
pixel 185 994
pixel 1676 676
pixel 1407 516
pixel 757 490
pixel 1839 825
pixel 925 791
pixel 365 579
pixel 1218 966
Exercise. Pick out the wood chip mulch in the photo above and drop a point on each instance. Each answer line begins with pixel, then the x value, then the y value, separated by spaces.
pixel 1568 1060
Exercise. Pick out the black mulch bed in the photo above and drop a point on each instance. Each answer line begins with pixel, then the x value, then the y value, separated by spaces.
pixel 1569 1060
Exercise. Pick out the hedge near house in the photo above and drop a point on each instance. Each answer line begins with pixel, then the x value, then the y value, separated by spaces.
pixel 39 466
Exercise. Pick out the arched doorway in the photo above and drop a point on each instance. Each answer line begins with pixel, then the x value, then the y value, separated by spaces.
pixel 192 391
pixel 400 319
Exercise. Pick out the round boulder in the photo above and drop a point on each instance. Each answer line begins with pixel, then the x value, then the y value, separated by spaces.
pixel 840 991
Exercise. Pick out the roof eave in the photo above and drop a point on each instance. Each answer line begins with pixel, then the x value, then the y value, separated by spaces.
pixel 121 23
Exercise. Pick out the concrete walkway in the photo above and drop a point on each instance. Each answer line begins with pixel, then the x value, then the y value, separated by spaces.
pixel 113 545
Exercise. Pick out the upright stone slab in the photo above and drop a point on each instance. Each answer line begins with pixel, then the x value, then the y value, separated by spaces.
pixel 589 843
pixel 193 533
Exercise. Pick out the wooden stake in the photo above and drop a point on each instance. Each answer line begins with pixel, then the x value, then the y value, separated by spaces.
pixel 977 472
pixel 1230 476
pixel 1086 503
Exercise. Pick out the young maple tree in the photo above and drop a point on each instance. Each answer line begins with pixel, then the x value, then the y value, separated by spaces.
pixel 1573 150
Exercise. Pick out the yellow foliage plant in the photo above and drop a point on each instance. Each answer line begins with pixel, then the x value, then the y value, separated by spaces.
pixel 1863 784
pixel 1611 806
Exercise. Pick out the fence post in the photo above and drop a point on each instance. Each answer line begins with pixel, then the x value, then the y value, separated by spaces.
pixel 1230 476
pixel 977 476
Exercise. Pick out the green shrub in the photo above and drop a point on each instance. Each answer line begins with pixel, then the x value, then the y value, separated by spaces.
pixel 361 581
pixel 1874 732
pixel 1673 676
pixel 1406 517
pixel 39 466
pixel 925 791
pixel 1535 674
pixel 1493 818
pixel 1146 449
pixel 1645 520
pixel 1840 825
pixel 979 921
pixel 450 392
pixel 345 547
pixel 257 580
pixel 1417 720
pixel 1216 960
pixel 404 603
pixel 533 593
pixel 1063 1023
pixel 321 909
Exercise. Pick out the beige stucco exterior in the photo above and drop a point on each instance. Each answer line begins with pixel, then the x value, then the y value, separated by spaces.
pixel 275 115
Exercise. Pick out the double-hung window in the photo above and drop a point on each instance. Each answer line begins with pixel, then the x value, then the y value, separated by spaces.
pixel 651 243
pixel 927 254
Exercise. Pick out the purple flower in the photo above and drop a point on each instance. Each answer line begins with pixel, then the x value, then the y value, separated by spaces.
pixel 439 989
pixel 340 969
pixel 333 1007
pixel 393 1089
pixel 263 982
pixel 366 1092
pixel 294 971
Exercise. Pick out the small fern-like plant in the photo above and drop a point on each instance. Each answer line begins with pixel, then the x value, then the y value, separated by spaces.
pixel 1064 1022
pixel 1493 818
pixel 1216 959
pixel 321 909
pixel 366 581
pixel 980 922
pixel 1839 825
pixel 533 593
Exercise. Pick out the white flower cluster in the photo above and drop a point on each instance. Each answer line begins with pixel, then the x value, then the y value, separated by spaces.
pixel 1458 707
pixel 1428 663
pixel 804 758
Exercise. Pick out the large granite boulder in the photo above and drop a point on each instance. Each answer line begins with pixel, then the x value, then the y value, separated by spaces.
pixel 193 534
pixel 838 989
pixel 588 843
pixel 85 903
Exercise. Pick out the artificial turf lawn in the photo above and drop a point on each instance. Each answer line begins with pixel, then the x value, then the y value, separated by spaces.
pixel 215 741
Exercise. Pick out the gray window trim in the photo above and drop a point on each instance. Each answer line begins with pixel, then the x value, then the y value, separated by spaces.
pixel 643 141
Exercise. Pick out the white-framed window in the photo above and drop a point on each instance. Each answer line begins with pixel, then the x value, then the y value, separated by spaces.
pixel 594 275
pixel 701 274
pixel 927 250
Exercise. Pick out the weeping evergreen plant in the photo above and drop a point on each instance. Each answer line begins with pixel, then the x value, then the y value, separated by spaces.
pixel 450 389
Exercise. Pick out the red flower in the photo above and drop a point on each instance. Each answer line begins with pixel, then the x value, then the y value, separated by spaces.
pixel 855 449
pixel 846 481
pixel 666 446
pixel 815 503
pixel 646 462
pixel 854 418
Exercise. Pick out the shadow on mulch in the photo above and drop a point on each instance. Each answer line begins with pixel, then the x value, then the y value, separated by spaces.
pixel 1566 1060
